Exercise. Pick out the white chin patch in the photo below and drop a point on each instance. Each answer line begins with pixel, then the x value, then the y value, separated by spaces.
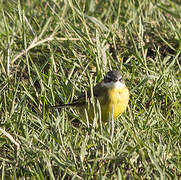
pixel 114 85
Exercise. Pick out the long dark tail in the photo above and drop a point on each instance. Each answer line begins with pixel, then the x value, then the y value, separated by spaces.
pixel 63 105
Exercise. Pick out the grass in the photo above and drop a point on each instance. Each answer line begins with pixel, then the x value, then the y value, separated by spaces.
pixel 51 51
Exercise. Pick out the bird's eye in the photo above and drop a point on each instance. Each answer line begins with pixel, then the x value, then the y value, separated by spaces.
pixel 108 79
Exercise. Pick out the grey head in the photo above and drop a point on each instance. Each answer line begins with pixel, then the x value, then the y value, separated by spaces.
pixel 113 80
pixel 113 76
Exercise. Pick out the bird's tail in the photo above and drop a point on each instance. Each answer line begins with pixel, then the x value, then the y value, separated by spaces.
pixel 63 105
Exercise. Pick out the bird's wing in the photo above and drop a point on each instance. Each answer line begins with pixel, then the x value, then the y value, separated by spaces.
pixel 97 92
pixel 81 100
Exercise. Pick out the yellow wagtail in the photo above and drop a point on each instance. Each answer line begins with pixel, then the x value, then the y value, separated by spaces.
pixel 112 95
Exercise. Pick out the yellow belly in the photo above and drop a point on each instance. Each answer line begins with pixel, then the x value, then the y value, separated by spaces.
pixel 116 104
pixel 112 105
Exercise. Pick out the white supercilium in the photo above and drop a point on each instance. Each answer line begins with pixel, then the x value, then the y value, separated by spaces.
pixel 114 85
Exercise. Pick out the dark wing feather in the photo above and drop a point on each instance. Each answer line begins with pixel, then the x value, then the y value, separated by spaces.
pixel 97 91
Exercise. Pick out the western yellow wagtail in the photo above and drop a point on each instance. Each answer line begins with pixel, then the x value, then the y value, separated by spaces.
pixel 112 95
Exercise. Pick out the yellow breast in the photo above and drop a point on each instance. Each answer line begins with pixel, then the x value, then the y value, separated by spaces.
pixel 114 103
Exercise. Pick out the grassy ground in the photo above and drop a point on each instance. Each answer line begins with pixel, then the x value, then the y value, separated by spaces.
pixel 50 51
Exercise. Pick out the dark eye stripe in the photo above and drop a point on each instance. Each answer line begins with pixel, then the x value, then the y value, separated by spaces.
pixel 107 79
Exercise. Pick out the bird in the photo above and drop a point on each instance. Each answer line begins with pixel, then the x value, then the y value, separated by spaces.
pixel 111 97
